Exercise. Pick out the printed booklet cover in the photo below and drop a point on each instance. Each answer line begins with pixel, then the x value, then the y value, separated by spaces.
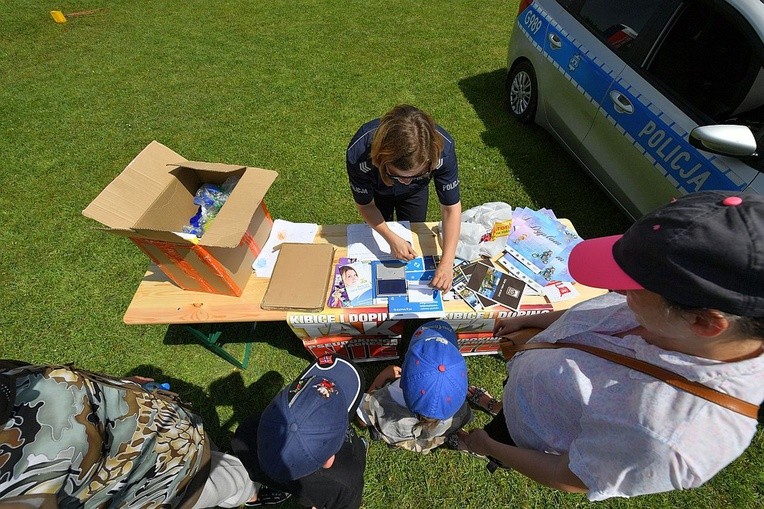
pixel 489 282
pixel 541 243
pixel 351 284
pixel 419 300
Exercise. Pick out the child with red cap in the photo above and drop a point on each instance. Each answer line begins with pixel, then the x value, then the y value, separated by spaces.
pixel 689 298
pixel 419 405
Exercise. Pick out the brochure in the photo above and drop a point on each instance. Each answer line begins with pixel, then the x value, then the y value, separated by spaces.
pixel 541 243
pixel 471 298
pixel 351 284
pixel 420 300
pixel 466 270
pixel 489 282
pixel 515 267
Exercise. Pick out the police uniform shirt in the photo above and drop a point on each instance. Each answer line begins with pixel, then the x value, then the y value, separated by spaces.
pixel 338 487
pixel 365 181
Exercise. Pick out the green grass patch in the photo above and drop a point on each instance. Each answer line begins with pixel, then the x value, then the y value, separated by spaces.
pixel 279 85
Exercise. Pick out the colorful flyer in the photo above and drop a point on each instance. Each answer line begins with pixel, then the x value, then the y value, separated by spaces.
pixel 351 285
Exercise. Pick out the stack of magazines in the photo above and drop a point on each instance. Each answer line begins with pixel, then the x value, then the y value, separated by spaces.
pixel 537 248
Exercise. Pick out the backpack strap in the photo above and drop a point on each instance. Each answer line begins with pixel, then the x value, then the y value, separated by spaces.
pixel 738 405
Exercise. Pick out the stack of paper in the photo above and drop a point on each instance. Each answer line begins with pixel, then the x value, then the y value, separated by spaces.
pixel 365 244
pixel 282 231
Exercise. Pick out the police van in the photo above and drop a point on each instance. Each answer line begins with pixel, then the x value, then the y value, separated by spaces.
pixel 655 98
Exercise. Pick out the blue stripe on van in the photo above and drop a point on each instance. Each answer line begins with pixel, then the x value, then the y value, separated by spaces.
pixel 665 147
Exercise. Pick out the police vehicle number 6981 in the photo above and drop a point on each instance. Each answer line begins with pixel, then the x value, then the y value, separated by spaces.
pixel 655 98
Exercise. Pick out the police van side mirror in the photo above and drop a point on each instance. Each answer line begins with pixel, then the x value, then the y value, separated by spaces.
pixel 728 140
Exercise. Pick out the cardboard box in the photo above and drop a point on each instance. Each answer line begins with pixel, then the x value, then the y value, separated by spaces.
pixel 357 348
pixel 153 198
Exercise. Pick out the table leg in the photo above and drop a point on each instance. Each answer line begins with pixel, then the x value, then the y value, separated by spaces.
pixel 210 341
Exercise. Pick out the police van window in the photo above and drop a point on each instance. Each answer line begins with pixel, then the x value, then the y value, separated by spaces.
pixel 707 63
pixel 618 23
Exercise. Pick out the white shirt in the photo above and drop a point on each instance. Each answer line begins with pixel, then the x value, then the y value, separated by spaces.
pixel 626 433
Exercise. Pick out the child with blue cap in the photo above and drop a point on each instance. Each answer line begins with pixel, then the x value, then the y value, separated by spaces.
pixel 419 405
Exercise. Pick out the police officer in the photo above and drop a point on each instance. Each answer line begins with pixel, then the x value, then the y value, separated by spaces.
pixel 390 163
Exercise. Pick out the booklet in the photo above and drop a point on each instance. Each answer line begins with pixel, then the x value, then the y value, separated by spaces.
pixel 419 300
pixel 541 243
pixel 489 282
pixel 351 284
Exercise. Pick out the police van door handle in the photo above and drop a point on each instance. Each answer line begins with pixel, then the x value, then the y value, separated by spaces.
pixel 621 102
pixel 554 41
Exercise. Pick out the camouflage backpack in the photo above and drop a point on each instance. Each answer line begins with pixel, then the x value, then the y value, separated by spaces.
pixel 90 440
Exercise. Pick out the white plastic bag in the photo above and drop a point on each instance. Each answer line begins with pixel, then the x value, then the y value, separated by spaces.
pixel 476 222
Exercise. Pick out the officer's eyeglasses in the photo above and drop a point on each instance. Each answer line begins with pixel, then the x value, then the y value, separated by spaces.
pixel 408 180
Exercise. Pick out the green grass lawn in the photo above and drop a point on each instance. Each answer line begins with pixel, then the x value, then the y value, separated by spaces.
pixel 281 85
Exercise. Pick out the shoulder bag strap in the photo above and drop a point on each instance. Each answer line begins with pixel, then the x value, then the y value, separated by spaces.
pixel 725 400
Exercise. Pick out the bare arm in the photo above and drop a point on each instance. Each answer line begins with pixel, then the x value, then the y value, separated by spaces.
pixel 507 326
pixel 548 469
pixel 388 374
pixel 452 223
pixel 400 249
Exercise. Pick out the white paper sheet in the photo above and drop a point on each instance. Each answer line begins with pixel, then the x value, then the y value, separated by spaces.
pixel 421 293
pixel 282 231
pixel 367 245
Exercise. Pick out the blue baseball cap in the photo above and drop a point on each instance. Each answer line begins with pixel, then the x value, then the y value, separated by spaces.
pixel 434 373
pixel 306 422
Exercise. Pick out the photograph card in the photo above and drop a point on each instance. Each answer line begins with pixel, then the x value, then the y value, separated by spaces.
pixel 489 282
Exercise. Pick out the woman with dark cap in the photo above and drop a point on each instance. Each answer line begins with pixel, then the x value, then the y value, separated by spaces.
pixel 653 387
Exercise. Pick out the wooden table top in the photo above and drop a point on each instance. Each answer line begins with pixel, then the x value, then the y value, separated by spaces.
pixel 159 301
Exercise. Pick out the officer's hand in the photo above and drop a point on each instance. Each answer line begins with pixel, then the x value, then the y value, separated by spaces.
pixel 444 277
pixel 401 249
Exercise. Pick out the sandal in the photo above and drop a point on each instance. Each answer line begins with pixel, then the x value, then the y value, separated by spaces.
pixel 474 393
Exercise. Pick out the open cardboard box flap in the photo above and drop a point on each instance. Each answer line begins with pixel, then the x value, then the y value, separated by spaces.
pixel 153 197
pixel 122 203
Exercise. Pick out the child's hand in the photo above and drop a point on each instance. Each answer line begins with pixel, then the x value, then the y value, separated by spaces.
pixel 475 441
pixel 388 374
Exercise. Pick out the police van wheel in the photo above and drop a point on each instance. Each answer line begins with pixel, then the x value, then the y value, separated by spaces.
pixel 522 92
